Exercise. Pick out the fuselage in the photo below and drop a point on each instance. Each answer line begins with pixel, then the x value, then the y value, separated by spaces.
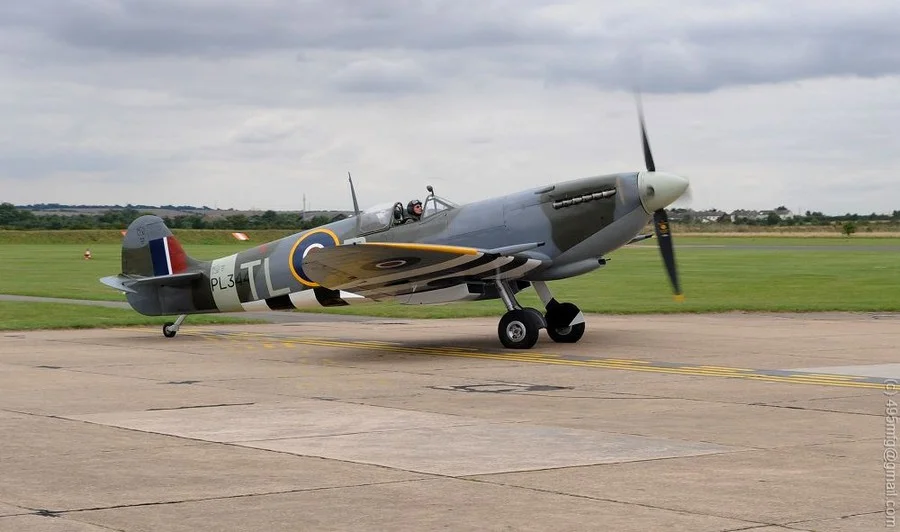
pixel 577 222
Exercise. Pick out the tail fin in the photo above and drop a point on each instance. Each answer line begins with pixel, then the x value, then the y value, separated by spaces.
pixel 149 249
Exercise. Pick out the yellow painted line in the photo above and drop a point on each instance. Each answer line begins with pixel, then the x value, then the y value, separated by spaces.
pixel 726 367
pixel 828 376
pixel 617 364
pixel 705 371
pixel 460 349
pixel 843 384
pixel 376 342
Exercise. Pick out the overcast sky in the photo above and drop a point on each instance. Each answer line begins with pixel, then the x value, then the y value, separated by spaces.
pixel 241 104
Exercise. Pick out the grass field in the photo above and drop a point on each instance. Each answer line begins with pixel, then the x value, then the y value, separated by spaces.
pixel 718 274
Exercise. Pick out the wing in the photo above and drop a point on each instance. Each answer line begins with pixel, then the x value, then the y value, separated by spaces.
pixel 381 270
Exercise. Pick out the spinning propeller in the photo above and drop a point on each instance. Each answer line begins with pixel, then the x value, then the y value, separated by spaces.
pixel 659 189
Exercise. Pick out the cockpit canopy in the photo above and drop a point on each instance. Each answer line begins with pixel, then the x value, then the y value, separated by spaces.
pixel 382 216
pixel 435 204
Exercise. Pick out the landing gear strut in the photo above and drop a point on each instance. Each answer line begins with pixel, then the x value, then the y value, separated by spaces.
pixel 519 327
pixel 171 328
pixel 564 321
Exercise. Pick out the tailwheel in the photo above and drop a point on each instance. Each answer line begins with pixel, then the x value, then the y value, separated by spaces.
pixel 170 329
pixel 565 322
pixel 519 328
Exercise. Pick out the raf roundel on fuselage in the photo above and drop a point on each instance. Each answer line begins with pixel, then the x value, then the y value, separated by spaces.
pixel 317 238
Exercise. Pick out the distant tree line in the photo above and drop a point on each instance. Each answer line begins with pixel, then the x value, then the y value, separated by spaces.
pixel 266 220
pixel 771 219
pixel 12 217
pixel 63 207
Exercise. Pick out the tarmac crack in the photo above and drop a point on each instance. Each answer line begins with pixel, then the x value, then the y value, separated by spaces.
pixel 741 403
pixel 25 510
pixel 807 409
pixel 790 524
pixel 752 524
pixel 197 406
pixel 760 527
pixel 230 497
pixel 52 515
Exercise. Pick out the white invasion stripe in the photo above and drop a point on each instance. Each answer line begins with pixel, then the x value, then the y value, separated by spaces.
pixel 518 272
pixel 390 291
pixel 499 262
pixel 409 273
pixel 168 257
pixel 254 306
pixel 221 271
pixel 352 298
pixel 393 290
pixel 442 295
pixel 304 299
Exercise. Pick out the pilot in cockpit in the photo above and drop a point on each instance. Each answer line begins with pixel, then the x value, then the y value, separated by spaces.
pixel 412 213
pixel 414 209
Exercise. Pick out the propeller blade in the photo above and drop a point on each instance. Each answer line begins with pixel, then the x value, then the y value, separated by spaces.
pixel 660 217
pixel 666 248
pixel 648 155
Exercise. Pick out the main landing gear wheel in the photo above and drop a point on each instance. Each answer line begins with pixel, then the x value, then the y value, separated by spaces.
pixel 519 328
pixel 559 318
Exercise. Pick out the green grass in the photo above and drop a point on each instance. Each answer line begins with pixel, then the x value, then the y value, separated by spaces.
pixel 714 278
pixel 18 315
pixel 778 240
pixel 59 270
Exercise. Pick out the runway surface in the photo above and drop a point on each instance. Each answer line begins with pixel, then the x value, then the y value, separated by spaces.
pixel 687 422
pixel 271 317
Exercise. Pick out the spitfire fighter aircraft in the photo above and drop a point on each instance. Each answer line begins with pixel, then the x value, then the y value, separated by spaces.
pixel 418 254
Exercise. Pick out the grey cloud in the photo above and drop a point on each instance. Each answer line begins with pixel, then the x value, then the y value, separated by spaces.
pixel 694 53
pixel 182 27
pixel 43 165
pixel 380 76
pixel 265 130
pixel 663 49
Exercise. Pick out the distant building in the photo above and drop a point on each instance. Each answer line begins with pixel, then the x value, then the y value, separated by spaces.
pixel 710 216
pixel 781 212
pixel 784 213
pixel 741 214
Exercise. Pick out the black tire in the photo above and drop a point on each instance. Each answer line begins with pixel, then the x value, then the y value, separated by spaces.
pixel 566 335
pixel 168 333
pixel 538 315
pixel 519 329
pixel 558 317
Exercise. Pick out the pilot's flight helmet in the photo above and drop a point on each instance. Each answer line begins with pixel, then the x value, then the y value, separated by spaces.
pixel 412 205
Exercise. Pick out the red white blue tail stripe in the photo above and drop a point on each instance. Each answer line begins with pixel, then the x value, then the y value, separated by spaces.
pixel 167 256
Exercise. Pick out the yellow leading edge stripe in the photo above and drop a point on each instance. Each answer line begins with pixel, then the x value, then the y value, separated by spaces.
pixel 426 247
